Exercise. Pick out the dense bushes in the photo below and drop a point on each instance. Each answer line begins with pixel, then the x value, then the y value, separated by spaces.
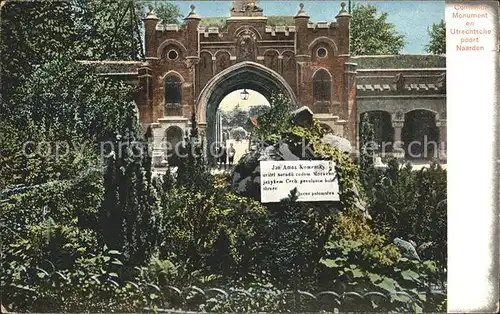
pixel 411 204
pixel 127 239
pixel 129 217
pixel 407 203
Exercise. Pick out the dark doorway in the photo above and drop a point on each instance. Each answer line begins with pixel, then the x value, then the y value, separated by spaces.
pixel 420 135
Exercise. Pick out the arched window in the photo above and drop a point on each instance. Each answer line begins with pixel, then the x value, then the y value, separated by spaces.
pixel 322 86
pixel 172 90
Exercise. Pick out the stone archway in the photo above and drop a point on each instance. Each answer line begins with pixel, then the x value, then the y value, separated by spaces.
pixel 244 75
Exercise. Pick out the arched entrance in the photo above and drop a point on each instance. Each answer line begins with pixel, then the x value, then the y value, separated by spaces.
pixel 244 75
pixel 421 135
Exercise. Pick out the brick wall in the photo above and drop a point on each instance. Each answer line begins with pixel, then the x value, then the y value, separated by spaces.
pixel 202 52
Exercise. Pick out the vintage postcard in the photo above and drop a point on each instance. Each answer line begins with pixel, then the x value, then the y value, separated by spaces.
pixel 249 156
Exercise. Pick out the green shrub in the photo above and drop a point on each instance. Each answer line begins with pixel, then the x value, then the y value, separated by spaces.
pixel 205 228
pixel 411 205
pixel 359 260
pixel 92 284
pixel 192 172
pixel 63 201
pixel 130 217
pixel 57 267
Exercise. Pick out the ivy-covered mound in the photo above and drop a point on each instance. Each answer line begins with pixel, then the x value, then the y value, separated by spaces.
pixel 282 134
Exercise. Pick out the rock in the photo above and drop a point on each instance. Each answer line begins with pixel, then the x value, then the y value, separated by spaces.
pixel 245 178
pixel 337 142
pixel 407 249
pixel 303 117
pixel 242 186
pixel 286 153
pixel 256 170
pixel 236 176
pixel 269 153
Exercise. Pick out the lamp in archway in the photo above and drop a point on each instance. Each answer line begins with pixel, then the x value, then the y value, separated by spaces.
pixel 244 95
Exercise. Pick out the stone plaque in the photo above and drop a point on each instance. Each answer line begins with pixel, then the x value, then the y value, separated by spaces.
pixel 315 180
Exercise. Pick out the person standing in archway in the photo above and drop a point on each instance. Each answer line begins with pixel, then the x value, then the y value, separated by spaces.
pixel 231 153
pixel 223 156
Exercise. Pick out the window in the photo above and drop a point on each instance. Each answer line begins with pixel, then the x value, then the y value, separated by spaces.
pixel 172 54
pixel 321 52
pixel 322 85
pixel 172 90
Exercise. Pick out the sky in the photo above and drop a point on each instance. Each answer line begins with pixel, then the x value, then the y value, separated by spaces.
pixel 411 18
pixel 232 99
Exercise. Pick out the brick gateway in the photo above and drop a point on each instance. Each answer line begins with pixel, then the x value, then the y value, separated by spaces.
pixel 193 67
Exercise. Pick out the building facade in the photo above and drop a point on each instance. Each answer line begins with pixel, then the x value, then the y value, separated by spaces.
pixel 191 68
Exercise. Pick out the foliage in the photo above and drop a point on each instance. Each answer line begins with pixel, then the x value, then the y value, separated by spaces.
pixel 76 30
pixel 26 30
pixel 275 121
pixel 72 101
pixel 368 173
pixel 167 12
pixel 360 260
pixel 400 61
pixel 129 217
pixel 371 34
pixel 63 201
pixel 54 267
pixel 238 133
pixel 272 20
pixel 257 110
pixel 188 228
pixel 310 140
pixel 192 172
pixel 204 227
pixel 107 30
pixel 52 242
pixel 437 43
pixel 412 205
pixel 237 117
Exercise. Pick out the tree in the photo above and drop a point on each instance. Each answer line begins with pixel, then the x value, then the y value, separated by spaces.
pixel 129 217
pixel 32 32
pixel 276 120
pixel 237 117
pixel 192 172
pixel 36 33
pixel 368 174
pixel 257 110
pixel 238 133
pixel 371 34
pixel 437 43
pixel 168 13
